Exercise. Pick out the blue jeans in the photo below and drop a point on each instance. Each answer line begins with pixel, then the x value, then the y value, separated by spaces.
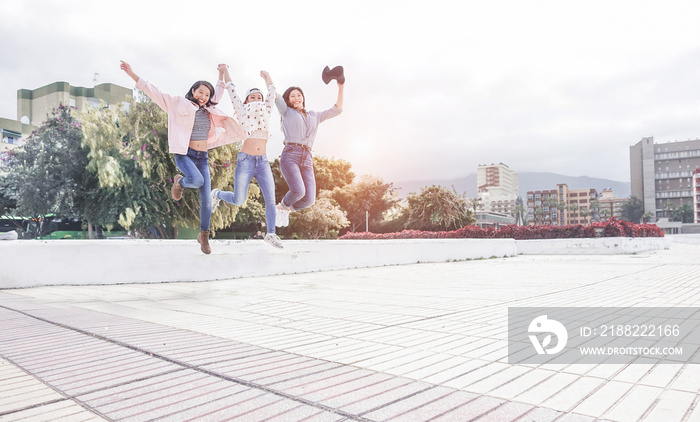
pixel 195 168
pixel 247 167
pixel 297 166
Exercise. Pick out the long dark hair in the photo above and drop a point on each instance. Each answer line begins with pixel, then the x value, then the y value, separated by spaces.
pixel 196 85
pixel 289 91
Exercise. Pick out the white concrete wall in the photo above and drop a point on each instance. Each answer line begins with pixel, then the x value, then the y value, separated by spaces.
pixel 29 263
pixel 689 239
pixel 591 246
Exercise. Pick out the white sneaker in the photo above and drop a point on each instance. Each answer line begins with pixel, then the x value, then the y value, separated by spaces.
pixel 273 240
pixel 214 200
pixel 282 218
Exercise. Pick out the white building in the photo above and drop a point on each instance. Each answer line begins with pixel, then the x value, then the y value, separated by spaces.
pixel 497 188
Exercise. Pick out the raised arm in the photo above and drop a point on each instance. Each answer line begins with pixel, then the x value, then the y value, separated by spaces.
pixel 271 90
pixel 223 73
pixel 266 77
pixel 163 100
pixel 126 67
pixel 339 101
pixel 231 88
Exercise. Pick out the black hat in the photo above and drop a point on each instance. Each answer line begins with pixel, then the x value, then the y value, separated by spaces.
pixel 335 73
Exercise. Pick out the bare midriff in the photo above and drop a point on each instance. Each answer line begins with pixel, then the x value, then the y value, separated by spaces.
pixel 254 146
pixel 198 145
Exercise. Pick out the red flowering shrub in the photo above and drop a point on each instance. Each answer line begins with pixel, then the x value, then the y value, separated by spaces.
pixel 611 228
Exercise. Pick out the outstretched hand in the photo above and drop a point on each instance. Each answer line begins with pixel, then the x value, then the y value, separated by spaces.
pixel 266 77
pixel 223 72
pixel 126 67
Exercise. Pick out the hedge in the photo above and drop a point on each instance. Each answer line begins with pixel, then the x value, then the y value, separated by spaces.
pixel 610 228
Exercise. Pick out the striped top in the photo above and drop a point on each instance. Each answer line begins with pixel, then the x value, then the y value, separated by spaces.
pixel 202 125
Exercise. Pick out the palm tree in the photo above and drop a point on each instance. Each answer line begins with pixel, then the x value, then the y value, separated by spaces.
pixel 585 212
pixel 573 208
pixel 474 202
pixel 669 209
pixel 539 212
pixel 685 213
pixel 595 210
pixel 561 206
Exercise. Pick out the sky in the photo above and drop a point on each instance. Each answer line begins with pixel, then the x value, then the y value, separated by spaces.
pixel 433 89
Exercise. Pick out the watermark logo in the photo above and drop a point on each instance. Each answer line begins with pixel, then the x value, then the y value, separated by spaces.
pixel 541 325
pixel 609 335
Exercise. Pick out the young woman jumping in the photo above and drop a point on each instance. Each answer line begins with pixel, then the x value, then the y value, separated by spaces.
pixel 299 127
pixel 192 130
pixel 254 114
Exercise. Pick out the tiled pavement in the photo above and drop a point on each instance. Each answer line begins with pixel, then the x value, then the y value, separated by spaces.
pixel 415 343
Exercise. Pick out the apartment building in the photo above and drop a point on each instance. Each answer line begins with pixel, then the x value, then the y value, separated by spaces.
pixel 543 207
pixel 562 206
pixel 661 175
pixel 35 105
pixel 696 196
pixel 497 188
pixel 11 133
pixel 578 205
pixel 609 205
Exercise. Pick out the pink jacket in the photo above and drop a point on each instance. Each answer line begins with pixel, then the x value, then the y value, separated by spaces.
pixel 224 129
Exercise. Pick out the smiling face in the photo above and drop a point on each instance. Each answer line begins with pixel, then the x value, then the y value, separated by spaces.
pixel 296 99
pixel 201 95
pixel 254 96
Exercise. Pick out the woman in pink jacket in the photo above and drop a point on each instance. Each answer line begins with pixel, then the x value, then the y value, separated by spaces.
pixel 194 127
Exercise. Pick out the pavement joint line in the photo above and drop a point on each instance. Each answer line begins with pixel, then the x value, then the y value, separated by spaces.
pixel 197 368
pixel 649 409
pixel 476 418
pixel 693 406
pixel 400 399
pixel 66 397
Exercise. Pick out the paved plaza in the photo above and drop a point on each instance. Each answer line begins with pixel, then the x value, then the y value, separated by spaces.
pixel 402 343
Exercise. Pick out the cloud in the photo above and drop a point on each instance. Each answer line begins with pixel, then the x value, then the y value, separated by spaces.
pixel 431 92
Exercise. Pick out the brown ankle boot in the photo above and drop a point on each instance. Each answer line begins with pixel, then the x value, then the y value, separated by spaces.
pixel 176 190
pixel 203 239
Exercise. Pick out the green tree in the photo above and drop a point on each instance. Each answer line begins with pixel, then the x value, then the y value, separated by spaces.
pixel 670 210
pixel 330 173
pixel 322 220
pixel 474 202
pixel 632 210
pixel 685 213
pixel 150 169
pixel 7 197
pixel 129 154
pixel 436 208
pixel 585 212
pixel 539 215
pixel 595 210
pixel 365 200
pixel 48 173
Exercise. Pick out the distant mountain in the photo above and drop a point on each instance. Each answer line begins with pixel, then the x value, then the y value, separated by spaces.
pixel 527 181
